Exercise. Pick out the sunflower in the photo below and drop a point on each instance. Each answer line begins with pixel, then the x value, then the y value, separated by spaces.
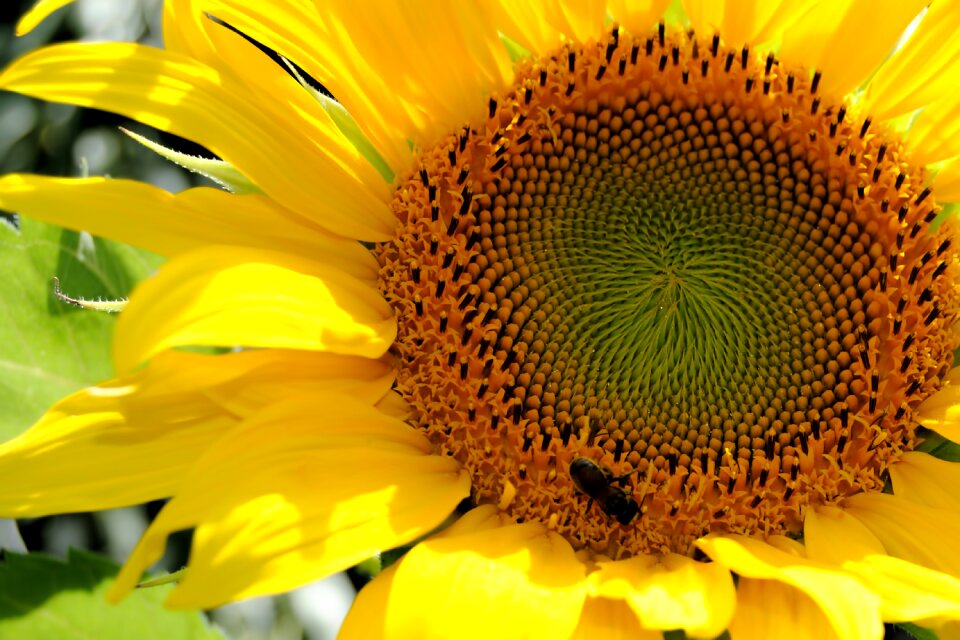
pixel 660 302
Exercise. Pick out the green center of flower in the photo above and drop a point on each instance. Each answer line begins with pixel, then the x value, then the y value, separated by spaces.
pixel 664 281
pixel 664 291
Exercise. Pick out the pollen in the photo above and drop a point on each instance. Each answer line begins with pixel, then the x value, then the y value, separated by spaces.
pixel 679 263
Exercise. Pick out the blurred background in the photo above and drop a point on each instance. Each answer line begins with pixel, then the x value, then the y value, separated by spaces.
pixel 62 140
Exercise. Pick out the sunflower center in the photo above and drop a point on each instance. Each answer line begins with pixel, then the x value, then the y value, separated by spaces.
pixel 664 290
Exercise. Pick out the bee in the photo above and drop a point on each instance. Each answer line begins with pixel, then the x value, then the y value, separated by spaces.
pixel 597 482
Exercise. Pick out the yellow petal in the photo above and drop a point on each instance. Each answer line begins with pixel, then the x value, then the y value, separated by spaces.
pixel 852 610
pixel 131 440
pixel 923 71
pixel 302 489
pixel 847 39
pixel 393 404
pixel 934 135
pixel 914 532
pixel 37 14
pixel 365 620
pixel 833 536
pixel 526 23
pixel 114 444
pixel 941 411
pixel 637 16
pixel 542 25
pixel 671 592
pixel 770 609
pixel 577 20
pixel 927 480
pixel 948 631
pixel 483 578
pixel 286 373
pixel 744 22
pixel 908 592
pixel 271 83
pixel 233 296
pixel 403 70
pixel 149 217
pixel 476 520
pixel 442 58
pixel 946 185
pixel 186 30
pixel 296 31
pixel 274 139
pixel 611 619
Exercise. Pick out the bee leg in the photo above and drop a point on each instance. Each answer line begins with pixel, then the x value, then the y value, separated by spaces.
pixel 590 504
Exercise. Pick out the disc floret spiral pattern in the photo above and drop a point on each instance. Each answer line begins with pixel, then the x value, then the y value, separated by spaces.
pixel 680 261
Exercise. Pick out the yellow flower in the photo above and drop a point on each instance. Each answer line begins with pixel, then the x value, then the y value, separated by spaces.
pixel 668 304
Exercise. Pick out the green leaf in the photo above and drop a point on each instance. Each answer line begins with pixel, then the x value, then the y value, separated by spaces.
pixel 49 348
pixel 371 567
pixel 223 173
pixel 347 125
pixel 938 446
pixel 514 49
pixel 947 450
pixel 915 632
pixel 46 598
pixel 675 14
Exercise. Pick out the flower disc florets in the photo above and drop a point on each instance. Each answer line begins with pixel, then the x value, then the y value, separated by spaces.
pixel 679 261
